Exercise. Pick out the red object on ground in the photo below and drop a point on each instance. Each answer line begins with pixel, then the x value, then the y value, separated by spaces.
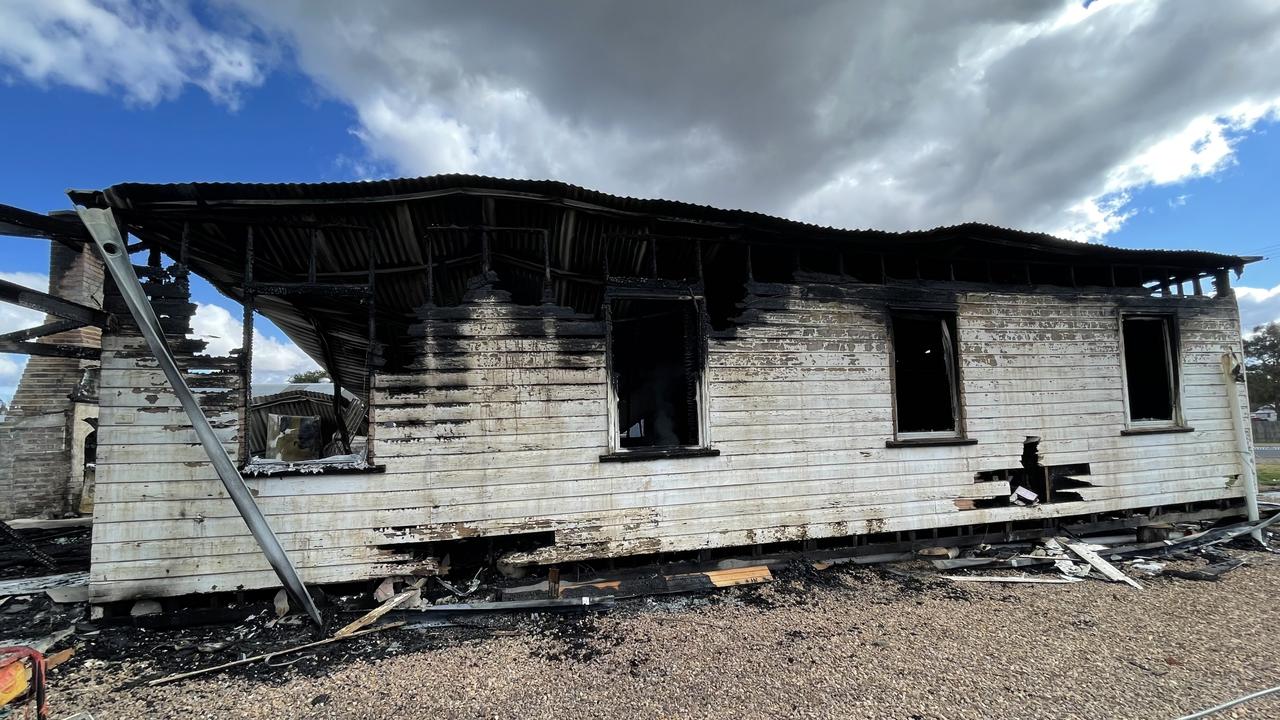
pixel 22 678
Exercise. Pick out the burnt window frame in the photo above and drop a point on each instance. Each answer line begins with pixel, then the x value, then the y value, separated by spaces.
pixel 949 316
pixel 647 291
pixel 1173 364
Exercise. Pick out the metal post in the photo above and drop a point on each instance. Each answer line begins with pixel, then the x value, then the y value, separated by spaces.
pixel 1233 378
pixel 111 245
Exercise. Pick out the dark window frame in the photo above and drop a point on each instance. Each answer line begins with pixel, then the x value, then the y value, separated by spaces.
pixel 1173 369
pixel 948 316
pixel 702 448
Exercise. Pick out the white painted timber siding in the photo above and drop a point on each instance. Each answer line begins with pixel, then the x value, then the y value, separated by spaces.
pixel 499 425
pixel 163 524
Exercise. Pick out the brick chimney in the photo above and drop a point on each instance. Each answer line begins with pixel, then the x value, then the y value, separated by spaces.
pixel 46 427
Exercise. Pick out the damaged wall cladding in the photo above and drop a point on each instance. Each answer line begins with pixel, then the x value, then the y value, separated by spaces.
pixel 495 416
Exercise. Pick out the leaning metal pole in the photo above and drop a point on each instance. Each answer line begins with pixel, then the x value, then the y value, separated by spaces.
pixel 111 245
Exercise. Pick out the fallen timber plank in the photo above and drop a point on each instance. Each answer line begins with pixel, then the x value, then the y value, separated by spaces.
pixel 481 607
pixel 30 586
pixel 1107 569
pixel 666 584
pixel 391 604
pixel 1011 579
pixel 43 524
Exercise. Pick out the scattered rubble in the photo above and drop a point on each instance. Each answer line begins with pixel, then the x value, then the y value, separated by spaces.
pixel 263 638
pixel 814 642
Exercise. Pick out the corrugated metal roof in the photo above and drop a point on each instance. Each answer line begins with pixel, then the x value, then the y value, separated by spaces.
pixel 220 194
pixel 387 222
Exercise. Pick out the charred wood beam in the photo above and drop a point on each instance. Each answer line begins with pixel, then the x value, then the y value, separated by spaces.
pixel 246 346
pixel 548 288
pixel 372 351
pixel 56 306
pixel 535 267
pixel 1222 284
pixel 42 330
pixel 24 223
pixel 307 288
pixel 431 277
pixel 311 257
pixel 626 287
pixel 485 227
pixel 49 350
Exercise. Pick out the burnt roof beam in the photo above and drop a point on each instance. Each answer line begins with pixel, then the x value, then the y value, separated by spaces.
pixel 23 296
pixel 49 350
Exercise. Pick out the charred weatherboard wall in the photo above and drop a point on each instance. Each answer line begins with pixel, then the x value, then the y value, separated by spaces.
pixel 492 416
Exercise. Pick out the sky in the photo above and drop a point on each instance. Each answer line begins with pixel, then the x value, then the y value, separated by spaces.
pixel 1135 123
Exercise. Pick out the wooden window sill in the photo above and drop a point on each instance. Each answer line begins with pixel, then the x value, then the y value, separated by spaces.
pixel 658 454
pixel 301 472
pixel 930 442
pixel 1157 430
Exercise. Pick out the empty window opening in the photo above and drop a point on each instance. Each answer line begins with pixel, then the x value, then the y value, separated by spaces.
pixel 296 425
pixel 1150 371
pixel 656 358
pixel 925 373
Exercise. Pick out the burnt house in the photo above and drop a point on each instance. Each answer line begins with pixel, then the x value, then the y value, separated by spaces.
pixel 559 375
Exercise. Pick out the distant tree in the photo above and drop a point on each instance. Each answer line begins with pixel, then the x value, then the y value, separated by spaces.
pixel 1262 358
pixel 310 376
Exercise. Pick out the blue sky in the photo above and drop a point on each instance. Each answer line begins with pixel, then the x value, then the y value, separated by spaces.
pixel 1137 123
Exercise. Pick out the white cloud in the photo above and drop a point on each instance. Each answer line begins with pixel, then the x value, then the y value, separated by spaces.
pixel 273 361
pixel 13 318
pixel 1258 306
pixel 1044 116
pixel 145 50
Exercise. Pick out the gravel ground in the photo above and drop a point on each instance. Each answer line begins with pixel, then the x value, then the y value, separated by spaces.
pixel 855 643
